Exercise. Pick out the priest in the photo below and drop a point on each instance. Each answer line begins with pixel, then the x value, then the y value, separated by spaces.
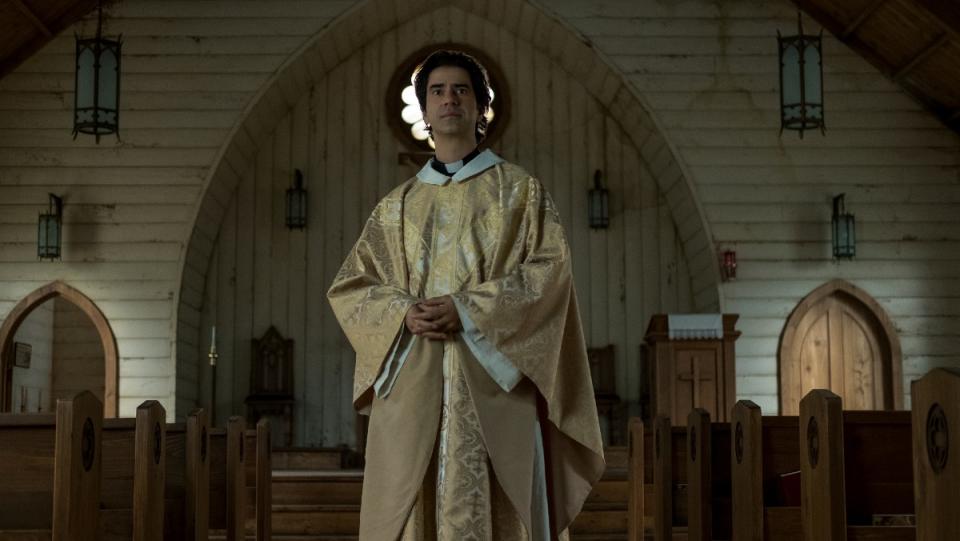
pixel 459 301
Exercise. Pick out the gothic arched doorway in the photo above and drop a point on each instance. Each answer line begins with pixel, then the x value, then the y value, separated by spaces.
pixel 839 338
pixel 74 303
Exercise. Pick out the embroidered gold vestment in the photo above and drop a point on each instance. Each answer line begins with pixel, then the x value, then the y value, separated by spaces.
pixel 493 242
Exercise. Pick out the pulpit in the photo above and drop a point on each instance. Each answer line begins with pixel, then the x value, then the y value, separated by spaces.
pixel 271 384
pixel 692 364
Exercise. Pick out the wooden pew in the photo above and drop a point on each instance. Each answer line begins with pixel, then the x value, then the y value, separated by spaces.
pixel 50 466
pixel 129 503
pixel 636 510
pixel 887 469
pixel 763 449
pixel 936 456
pixel 227 496
pixel 874 481
pixel 707 513
pixel 827 483
pixel 153 496
pixel 240 472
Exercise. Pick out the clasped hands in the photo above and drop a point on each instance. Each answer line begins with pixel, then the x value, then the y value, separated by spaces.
pixel 435 318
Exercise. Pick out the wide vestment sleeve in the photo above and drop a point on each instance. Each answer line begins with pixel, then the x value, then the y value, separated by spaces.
pixel 529 316
pixel 369 295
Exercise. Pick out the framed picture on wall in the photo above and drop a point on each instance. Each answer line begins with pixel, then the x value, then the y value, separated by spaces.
pixel 21 354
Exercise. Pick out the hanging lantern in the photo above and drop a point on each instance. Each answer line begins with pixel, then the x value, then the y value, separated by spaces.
pixel 844 230
pixel 598 199
pixel 50 229
pixel 801 81
pixel 96 105
pixel 297 203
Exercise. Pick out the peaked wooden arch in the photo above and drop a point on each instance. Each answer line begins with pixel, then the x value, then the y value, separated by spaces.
pixel 108 340
pixel 889 338
pixel 335 44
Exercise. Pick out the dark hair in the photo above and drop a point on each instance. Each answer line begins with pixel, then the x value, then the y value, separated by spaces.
pixel 478 80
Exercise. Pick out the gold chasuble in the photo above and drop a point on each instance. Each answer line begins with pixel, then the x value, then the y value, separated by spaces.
pixel 493 434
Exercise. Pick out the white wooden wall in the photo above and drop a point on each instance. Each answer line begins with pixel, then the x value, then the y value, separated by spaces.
pixel 31 386
pixel 263 274
pixel 188 70
pixel 706 70
pixel 77 353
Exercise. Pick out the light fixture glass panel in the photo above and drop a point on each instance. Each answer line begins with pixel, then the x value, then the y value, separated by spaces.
pixel 813 85
pixel 108 79
pixel 85 76
pixel 790 82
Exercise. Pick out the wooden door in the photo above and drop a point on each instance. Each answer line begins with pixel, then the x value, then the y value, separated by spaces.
pixel 837 341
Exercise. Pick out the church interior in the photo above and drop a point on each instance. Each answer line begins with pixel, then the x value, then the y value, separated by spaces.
pixel 761 200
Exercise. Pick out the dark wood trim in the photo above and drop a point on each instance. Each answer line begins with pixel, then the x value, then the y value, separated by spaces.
pixel 32 17
pixel 862 18
pixel 108 340
pixel 918 58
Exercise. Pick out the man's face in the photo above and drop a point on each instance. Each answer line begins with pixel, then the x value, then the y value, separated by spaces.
pixel 451 102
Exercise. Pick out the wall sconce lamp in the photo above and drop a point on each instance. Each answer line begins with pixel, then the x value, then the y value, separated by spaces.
pixel 728 265
pixel 598 199
pixel 844 230
pixel 96 97
pixel 801 81
pixel 297 203
pixel 50 229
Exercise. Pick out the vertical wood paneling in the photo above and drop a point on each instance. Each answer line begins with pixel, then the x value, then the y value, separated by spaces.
pixel 246 253
pixel 596 326
pixel 229 397
pixel 297 272
pixel 353 218
pixel 559 144
pixel 616 281
pixel 640 264
pixel 316 319
pixel 580 182
pixel 333 253
pixel 280 236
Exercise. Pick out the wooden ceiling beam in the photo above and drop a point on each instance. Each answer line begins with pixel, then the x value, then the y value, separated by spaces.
pixel 946 12
pixel 37 23
pixel 17 54
pixel 861 18
pixel 852 41
pixel 921 56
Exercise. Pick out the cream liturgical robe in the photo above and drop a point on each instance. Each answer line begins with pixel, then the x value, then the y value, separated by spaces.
pixel 466 435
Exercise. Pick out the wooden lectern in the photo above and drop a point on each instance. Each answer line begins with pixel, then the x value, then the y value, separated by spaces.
pixel 688 373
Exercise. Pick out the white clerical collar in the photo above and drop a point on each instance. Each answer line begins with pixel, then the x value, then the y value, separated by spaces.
pixel 481 163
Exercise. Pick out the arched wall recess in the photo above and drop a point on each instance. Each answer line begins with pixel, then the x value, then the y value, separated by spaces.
pixel 107 339
pixel 368 20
